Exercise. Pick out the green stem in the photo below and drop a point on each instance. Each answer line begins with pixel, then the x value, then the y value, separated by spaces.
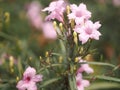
pixel 53 65
pixel 7 36
pixel 103 64
pixel 103 77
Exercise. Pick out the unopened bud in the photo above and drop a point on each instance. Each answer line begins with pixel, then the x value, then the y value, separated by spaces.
pixel 72 23
pixel 81 50
pixel 17 78
pixel 48 60
pixel 74 34
pixel 76 59
pixel 11 61
pixel 60 59
pixel 75 68
pixel 75 38
pixel 7 16
pixel 40 58
pixel 68 9
pixel 61 26
pixel 47 54
pixel 55 24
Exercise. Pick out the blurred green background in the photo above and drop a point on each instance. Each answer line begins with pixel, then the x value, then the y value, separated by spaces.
pixel 19 39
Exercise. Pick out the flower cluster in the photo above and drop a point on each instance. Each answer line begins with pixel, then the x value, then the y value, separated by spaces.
pixel 85 28
pixel 56 9
pixel 80 82
pixel 76 24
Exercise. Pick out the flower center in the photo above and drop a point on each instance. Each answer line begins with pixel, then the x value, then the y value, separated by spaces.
pixel 28 79
pixel 78 14
pixel 78 83
pixel 88 31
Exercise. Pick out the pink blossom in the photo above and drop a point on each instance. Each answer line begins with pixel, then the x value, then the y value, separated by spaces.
pixel 29 80
pixel 33 14
pixel 56 9
pixel 116 2
pixel 81 83
pixel 84 67
pixel 49 31
pixel 79 14
pixel 88 30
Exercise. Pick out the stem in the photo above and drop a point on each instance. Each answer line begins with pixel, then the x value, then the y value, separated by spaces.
pixel 7 36
pixel 49 66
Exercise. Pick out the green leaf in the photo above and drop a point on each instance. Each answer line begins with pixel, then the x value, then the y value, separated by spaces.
pixel 6 36
pixel 102 64
pixel 108 78
pixel 56 54
pixel 20 69
pixel 52 65
pixel 117 67
pixel 72 82
pixel 103 85
pixel 62 47
pixel 102 77
pixel 45 83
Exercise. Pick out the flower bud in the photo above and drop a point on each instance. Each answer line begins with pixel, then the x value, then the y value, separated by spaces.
pixel 11 61
pixel 68 9
pixel 55 24
pixel 81 50
pixel 75 38
pixel 74 34
pixel 72 23
pixel 75 68
pixel 40 58
pixel 48 60
pixel 17 78
pixel 7 16
pixel 60 59
pixel 61 26
pixel 47 54
pixel 76 59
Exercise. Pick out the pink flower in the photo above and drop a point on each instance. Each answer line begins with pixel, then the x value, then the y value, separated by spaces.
pixel 49 31
pixel 88 30
pixel 116 2
pixel 33 14
pixel 81 83
pixel 29 80
pixel 79 14
pixel 56 9
pixel 84 67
